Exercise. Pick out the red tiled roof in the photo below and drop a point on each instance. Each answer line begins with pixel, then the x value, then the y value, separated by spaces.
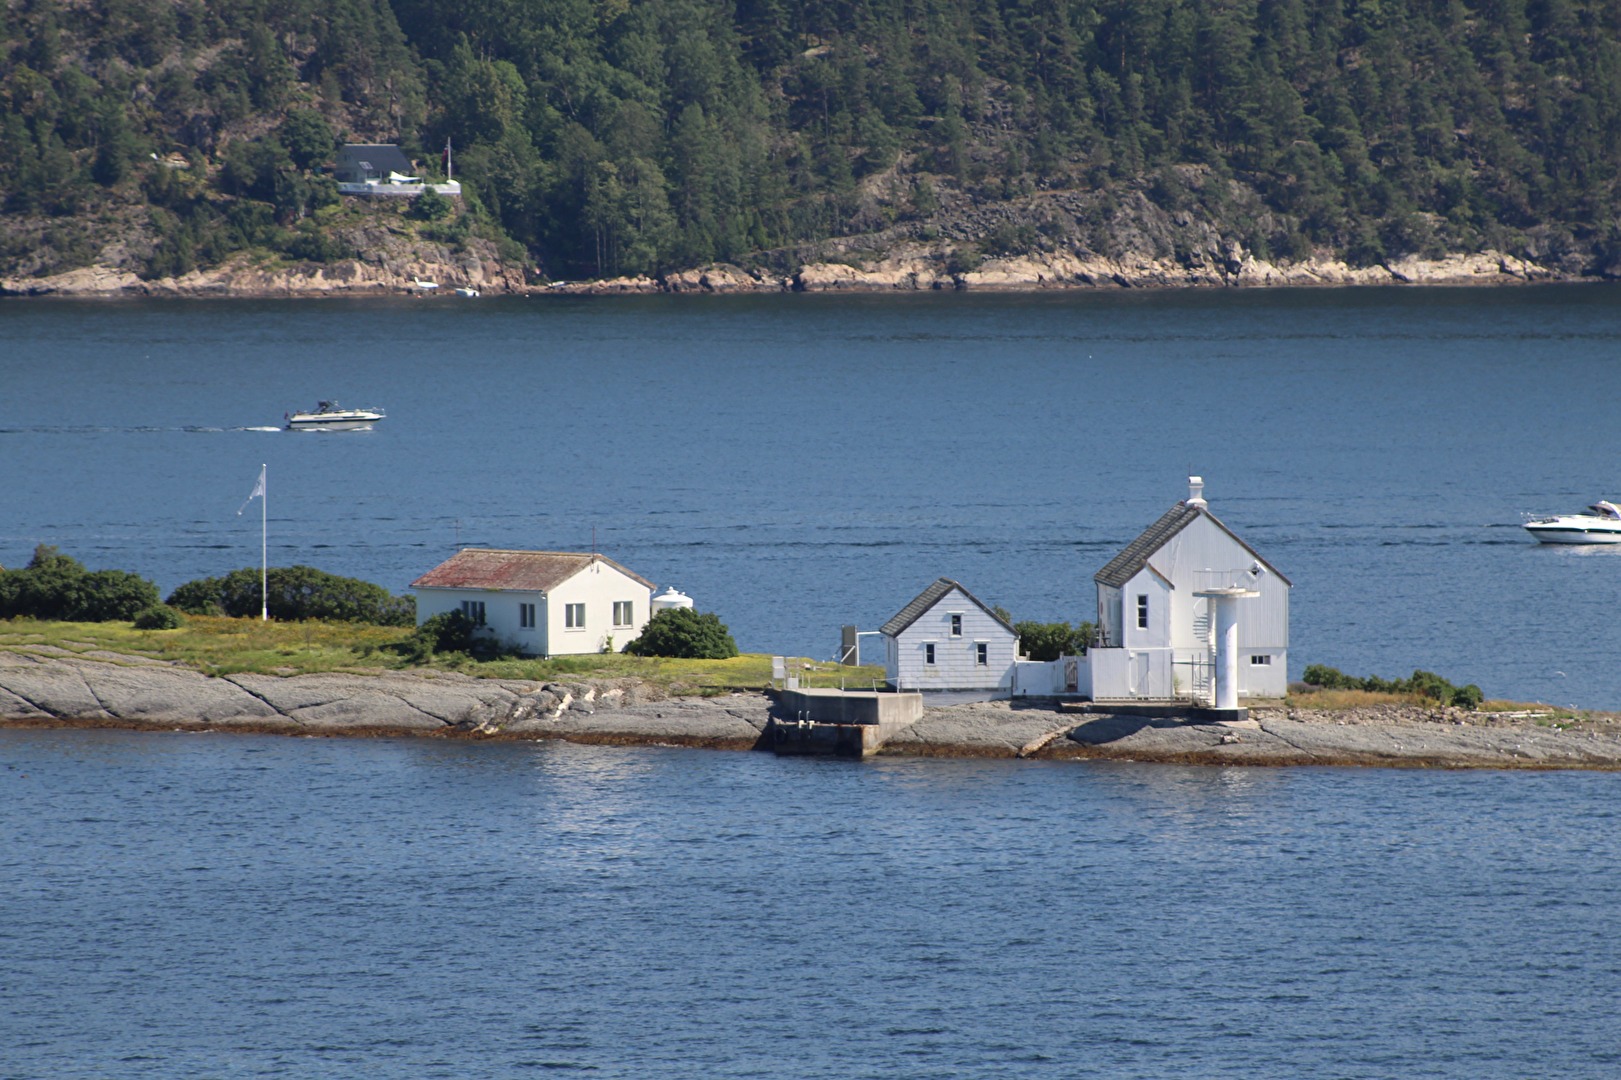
pixel 520 571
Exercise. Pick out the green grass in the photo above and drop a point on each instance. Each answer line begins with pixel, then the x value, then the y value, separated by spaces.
pixel 222 646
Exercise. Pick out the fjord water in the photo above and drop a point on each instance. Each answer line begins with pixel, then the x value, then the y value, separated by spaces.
pixel 796 463
pixel 231 906
pixel 211 905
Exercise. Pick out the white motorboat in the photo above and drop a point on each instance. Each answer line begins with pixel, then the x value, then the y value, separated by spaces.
pixel 1601 526
pixel 329 416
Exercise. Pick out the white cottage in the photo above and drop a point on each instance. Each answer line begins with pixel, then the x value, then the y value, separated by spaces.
pixel 945 639
pixel 1161 599
pixel 545 603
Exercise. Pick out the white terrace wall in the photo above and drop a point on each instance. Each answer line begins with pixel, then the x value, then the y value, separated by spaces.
pixel 1068 676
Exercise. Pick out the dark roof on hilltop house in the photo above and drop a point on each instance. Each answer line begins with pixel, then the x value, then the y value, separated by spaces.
pixel 1125 566
pixel 516 571
pixel 378 159
pixel 926 599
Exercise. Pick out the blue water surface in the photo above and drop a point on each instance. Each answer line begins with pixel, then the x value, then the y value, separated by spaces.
pixel 247 906
pixel 797 463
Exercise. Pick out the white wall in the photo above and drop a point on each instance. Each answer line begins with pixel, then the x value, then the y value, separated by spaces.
pixel 955 664
pixel 1050 678
pixel 501 616
pixel 597 587
pixel 1203 546
pixel 1123 674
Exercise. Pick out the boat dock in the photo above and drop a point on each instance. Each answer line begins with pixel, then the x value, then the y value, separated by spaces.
pixel 843 723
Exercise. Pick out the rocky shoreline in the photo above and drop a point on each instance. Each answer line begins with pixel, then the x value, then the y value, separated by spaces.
pixel 45 687
pixel 908 269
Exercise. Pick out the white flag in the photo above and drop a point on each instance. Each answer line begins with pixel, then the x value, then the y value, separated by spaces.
pixel 258 491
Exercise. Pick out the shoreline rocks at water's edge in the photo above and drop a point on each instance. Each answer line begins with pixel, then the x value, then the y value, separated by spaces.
pixel 49 688
pixel 908 269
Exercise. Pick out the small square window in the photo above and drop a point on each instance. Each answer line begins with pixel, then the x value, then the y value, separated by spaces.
pixel 474 610
pixel 574 616
pixel 956 626
pixel 928 653
pixel 624 612
pixel 982 654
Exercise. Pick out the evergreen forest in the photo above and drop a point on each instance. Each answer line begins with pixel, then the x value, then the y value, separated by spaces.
pixel 597 138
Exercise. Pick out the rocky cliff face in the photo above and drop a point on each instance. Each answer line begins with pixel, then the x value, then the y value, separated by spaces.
pixel 390 261
pixel 1080 239
pixel 1044 240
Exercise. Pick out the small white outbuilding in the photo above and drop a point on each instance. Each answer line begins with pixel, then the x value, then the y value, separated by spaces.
pixel 544 603
pixel 945 639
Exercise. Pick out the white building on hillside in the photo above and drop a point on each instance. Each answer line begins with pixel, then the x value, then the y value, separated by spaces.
pixel 545 603
pixel 945 639
pixel 1157 611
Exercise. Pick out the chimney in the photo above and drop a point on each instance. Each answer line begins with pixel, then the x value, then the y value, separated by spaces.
pixel 1196 492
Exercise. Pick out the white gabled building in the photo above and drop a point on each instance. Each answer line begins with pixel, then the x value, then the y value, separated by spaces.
pixel 945 639
pixel 1157 611
pixel 544 603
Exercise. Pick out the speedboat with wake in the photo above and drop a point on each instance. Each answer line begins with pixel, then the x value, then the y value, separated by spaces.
pixel 1601 526
pixel 330 416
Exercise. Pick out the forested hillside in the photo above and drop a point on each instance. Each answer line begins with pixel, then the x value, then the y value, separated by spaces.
pixel 608 137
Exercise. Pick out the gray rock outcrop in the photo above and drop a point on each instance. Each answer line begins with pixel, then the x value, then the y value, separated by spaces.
pixel 46 686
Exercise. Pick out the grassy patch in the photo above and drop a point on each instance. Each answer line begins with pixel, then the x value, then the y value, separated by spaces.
pixel 224 646
pixel 1340 700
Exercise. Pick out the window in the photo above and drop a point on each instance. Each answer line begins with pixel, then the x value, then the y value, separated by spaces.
pixel 1142 612
pixel 574 616
pixel 526 616
pixel 624 612
pixel 982 654
pixel 928 653
pixel 1261 660
pixel 474 610
pixel 956 626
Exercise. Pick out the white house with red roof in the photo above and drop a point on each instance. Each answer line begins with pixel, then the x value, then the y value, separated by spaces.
pixel 544 603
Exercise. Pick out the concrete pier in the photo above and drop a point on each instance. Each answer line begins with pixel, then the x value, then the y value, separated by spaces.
pixel 843 723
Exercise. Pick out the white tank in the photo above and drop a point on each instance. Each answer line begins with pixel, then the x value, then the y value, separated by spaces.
pixel 671 598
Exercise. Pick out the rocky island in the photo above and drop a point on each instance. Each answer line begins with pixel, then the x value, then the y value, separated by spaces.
pixel 48 686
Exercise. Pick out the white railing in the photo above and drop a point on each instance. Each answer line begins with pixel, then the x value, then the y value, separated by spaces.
pixel 1225 579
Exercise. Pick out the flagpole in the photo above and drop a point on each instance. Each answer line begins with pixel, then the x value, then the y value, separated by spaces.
pixel 264 548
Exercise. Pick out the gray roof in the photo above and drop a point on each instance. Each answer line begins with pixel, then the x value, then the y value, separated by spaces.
pixel 929 597
pixel 1126 565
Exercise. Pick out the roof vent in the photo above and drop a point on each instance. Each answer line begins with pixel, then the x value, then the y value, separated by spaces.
pixel 1196 492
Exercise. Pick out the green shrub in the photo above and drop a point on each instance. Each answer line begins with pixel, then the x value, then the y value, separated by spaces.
pixel 1423 683
pixel 296 592
pixel 159 617
pixel 200 597
pixel 55 586
pixel 430 205
pixel 685 634
pixel 1049 641
pixel 448 631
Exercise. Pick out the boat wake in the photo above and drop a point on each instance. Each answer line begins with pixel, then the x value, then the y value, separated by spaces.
pixel 143 429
